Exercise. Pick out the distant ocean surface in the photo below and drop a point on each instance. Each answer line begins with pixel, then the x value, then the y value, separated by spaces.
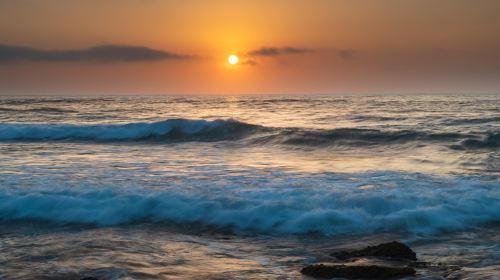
pixel 244 187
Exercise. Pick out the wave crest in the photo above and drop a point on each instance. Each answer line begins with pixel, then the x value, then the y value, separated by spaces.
pixel 359 137
pixel 173 129
pixel 414 207
pixel 180 130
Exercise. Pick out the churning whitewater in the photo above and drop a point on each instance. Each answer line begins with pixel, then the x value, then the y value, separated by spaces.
pixel 328 204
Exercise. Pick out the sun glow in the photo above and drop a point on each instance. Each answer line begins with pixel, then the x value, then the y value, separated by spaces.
pixel 233 59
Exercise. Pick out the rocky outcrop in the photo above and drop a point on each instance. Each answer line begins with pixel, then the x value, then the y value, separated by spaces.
pixel 356 272
pixel 392 250
pixel 384 261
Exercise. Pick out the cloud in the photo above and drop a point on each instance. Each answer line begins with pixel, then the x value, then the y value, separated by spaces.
pixel 272 51
pixel 249 62
pixel 346 54
pixel 104 53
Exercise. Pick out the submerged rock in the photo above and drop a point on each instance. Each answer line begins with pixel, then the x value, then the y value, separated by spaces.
pixel 356 272
pixel 392 250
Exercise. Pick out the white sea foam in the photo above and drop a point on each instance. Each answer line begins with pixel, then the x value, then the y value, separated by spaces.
pixel 413 206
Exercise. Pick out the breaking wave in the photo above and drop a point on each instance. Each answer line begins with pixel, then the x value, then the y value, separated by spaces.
pixel 179 130
pixel 415 205
pixel 173 129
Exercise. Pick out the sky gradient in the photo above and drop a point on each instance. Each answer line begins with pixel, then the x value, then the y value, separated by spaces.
pixel 86 47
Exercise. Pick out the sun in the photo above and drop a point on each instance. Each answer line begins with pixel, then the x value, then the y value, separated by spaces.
pixel 233 59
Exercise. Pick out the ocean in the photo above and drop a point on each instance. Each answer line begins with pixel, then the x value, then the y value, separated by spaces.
pixel 245 187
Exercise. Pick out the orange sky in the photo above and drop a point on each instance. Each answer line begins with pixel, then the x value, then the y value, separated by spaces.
pixel 312 46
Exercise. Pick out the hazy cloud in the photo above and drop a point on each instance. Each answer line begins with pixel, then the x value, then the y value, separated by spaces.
pixel 271 51
pixel 346 54
pixel 249 62
pixel 104 53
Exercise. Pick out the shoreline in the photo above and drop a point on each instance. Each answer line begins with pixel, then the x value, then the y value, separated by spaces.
pixel 75 252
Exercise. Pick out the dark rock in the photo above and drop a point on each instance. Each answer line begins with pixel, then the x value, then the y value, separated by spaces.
pixel 419 264
pixel 392 250
pixel 356 272
pixel 89 278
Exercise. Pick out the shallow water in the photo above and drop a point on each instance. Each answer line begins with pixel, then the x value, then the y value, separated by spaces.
pixel 244 187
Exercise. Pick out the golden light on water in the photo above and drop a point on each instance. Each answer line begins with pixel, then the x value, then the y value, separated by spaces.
pixel 233 59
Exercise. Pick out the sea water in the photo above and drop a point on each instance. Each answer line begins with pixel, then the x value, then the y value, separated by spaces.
pixel 244 187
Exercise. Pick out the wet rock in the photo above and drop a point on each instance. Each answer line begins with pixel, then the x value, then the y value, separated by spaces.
pixel 418 264
pixel 356 272
pixel 392 250
pixel 89 278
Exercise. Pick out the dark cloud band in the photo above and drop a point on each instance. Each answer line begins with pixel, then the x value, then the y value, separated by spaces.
pixel 105 53
pixel 271 51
